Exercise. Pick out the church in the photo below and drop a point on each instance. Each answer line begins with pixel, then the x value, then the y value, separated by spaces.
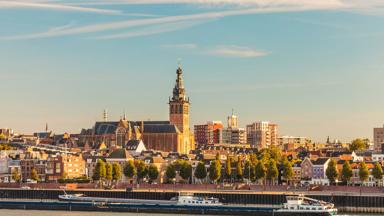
pixel 173 135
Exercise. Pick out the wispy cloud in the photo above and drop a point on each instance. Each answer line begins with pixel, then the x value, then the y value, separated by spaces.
pixel 222 50
pixel 156 29
pixel 150 21
pixel 253 7
pixel 180 46
pixel 53 6
pixel 236 51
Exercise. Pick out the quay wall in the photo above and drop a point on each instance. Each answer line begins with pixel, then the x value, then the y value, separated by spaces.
pixel 345 203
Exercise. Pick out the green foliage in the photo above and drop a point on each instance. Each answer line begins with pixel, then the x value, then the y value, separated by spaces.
pixel 153 172
pixel 272 171
pixel 141 170
pixel 239 169
pixel 186 170
pixel 130 169
pixel 170 173
pixel 363 172
pixel 331 171
pixel 16 176
pixel 215 170
pixel 346 172
pixel 377 171
pixel 358 145
pixel 116 171
pixel 200 171
pixel 5 147
pixel 260 170
pixel 108 171
pixel 228 168
pixel 100 171
pixel 247 169
pixel 34 175
pixel 287 170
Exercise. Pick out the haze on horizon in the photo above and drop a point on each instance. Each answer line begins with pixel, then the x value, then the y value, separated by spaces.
pixel 313 67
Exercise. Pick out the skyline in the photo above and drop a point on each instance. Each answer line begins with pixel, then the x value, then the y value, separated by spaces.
pixel 314 69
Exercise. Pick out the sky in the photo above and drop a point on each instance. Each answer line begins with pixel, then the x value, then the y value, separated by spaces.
pixel 313 67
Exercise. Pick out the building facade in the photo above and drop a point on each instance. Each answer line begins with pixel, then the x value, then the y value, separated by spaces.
pixel 262 134
pixel 208 134
pixel 378 139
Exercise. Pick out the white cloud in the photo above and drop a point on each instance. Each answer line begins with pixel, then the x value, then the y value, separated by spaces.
pixel 150 21
pixel 157 29
pixel 255 7
pixel 181 46
pixel 221 50
pixel 236 51
pixel 53 6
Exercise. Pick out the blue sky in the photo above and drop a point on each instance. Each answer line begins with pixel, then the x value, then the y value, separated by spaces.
pixel 316 69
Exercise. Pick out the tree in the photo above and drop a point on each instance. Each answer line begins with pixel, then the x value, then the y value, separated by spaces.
pixel 141 170
pixel 34 175
pixel 16 175
pixel 377 173
pixel 260 170
pixel 287 171
pixel 228 168
pixel 153 173
pixel 215 170
pixel 108 172
pixel 275 153
pixel 358 145
pixel 200 171
pixel 130 169
pixel 186 171
pixel 170 173
pixel 116 172
pixel 272 171
pixel 363 172
pixel 247 170
pixel 346 172
pixel 239 169
pixel 100 171
pixel 331 171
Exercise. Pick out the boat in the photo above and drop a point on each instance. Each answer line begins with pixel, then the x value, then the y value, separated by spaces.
pixel 301 205
pixel 181 200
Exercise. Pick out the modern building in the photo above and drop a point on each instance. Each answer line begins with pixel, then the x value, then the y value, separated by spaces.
pixel 262 134
pixel 289 143
pixel 208 134
pixel 378 139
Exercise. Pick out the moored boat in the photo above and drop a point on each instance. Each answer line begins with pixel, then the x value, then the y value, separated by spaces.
pixel 301 205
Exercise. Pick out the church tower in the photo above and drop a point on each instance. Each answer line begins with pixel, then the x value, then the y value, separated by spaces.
pixel 179 111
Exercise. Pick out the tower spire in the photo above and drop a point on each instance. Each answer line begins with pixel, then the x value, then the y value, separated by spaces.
pixel 105 115
pixel 179 90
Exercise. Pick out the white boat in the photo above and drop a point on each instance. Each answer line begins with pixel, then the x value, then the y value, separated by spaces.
pixel 299 205
pixel 188 200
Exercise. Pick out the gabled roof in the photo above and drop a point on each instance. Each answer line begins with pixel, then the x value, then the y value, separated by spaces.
pixel 320 161
pixel 133 144
pixel 120 154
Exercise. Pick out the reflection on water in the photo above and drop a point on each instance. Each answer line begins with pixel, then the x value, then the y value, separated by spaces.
pixel 4 212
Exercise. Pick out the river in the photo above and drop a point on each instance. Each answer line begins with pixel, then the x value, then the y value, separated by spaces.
pixel 5 212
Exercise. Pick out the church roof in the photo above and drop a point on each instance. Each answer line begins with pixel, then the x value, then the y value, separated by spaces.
pixel 161 128
pixel 102 128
